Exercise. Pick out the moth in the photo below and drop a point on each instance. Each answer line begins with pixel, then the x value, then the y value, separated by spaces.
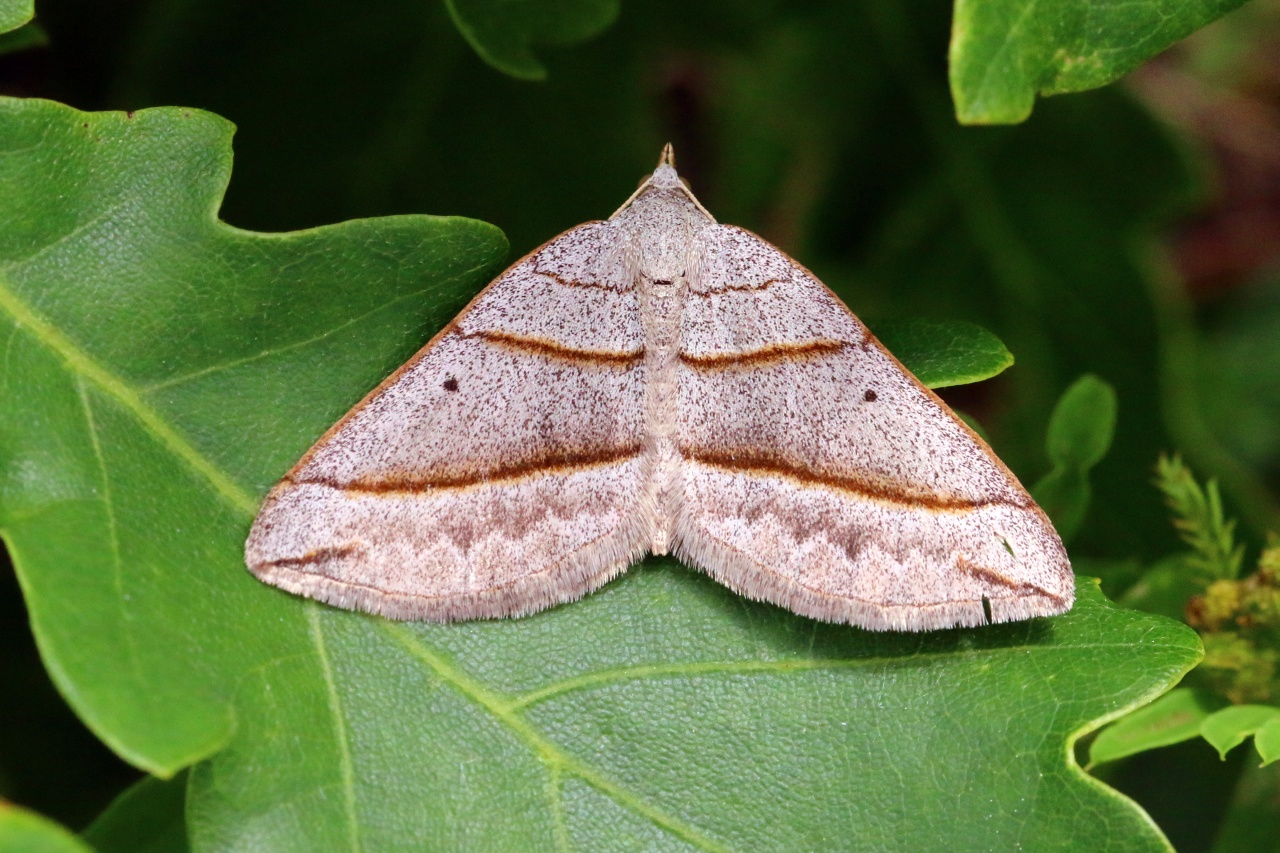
pixel 659 383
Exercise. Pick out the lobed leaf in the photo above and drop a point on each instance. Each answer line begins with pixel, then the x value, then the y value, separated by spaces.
pixel 149 817
pixel 149 398
pixel 503 32
pixel 162 369
pixel 1005 52
pixel 941 354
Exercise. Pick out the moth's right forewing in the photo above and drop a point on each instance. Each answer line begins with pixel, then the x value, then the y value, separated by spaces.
pixel 823 477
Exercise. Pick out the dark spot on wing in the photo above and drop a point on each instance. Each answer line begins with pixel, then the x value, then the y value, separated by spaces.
pixel 870 396
pixel 451 384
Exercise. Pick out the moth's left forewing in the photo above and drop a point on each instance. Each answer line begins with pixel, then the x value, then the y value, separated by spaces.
pixel 821 476
pixel 498 472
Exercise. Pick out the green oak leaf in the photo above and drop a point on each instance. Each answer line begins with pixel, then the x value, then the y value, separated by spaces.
pixel 23 831
pixel 149 817
pixel 503 31
pixel 1005 52
pixel 15 13
pixel 139 427
pixel 943 354
pixel 162 369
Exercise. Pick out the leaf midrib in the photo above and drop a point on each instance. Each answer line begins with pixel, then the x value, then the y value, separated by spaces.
pixel 553 758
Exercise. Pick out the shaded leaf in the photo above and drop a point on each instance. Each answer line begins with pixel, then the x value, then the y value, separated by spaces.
pixel 29 35
pixel 1117 575
pixel 1083 424
pixel 162 370
pixel 23 831
pixel 1080 432
pixel 1227 729
pixel 1174 717
pixel 973 424
pixel 1165 588
pixel 944 353
pixel 149 817
pixel 15 13
pixel 1005 52
pixel 1252 824
pixel 503 32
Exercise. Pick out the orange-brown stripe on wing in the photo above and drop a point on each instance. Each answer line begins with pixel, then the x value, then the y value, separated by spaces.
pixel 875 489
pixel 762 355
pixel 561 463
pixel 550 349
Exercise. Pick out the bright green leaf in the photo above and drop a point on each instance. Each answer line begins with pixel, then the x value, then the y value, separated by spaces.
pixel 1005 52
pixel 23 831
pixel 149 817
pixel 162 370
pixel 943 354
pixel 1227 729
pixel 15 13
pixel 1174 717
pixel 1080 432
pixel 1267 740
pixel 503 31
pixel 150 397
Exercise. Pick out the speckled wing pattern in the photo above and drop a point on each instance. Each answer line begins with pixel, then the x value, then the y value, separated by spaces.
pixel 659 382
pixel 498 472
pixel 820 475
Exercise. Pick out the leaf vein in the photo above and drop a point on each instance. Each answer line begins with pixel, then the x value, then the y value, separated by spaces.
pixel 80 363
pixel 658 671
pixel 339 727
pixel 550 754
